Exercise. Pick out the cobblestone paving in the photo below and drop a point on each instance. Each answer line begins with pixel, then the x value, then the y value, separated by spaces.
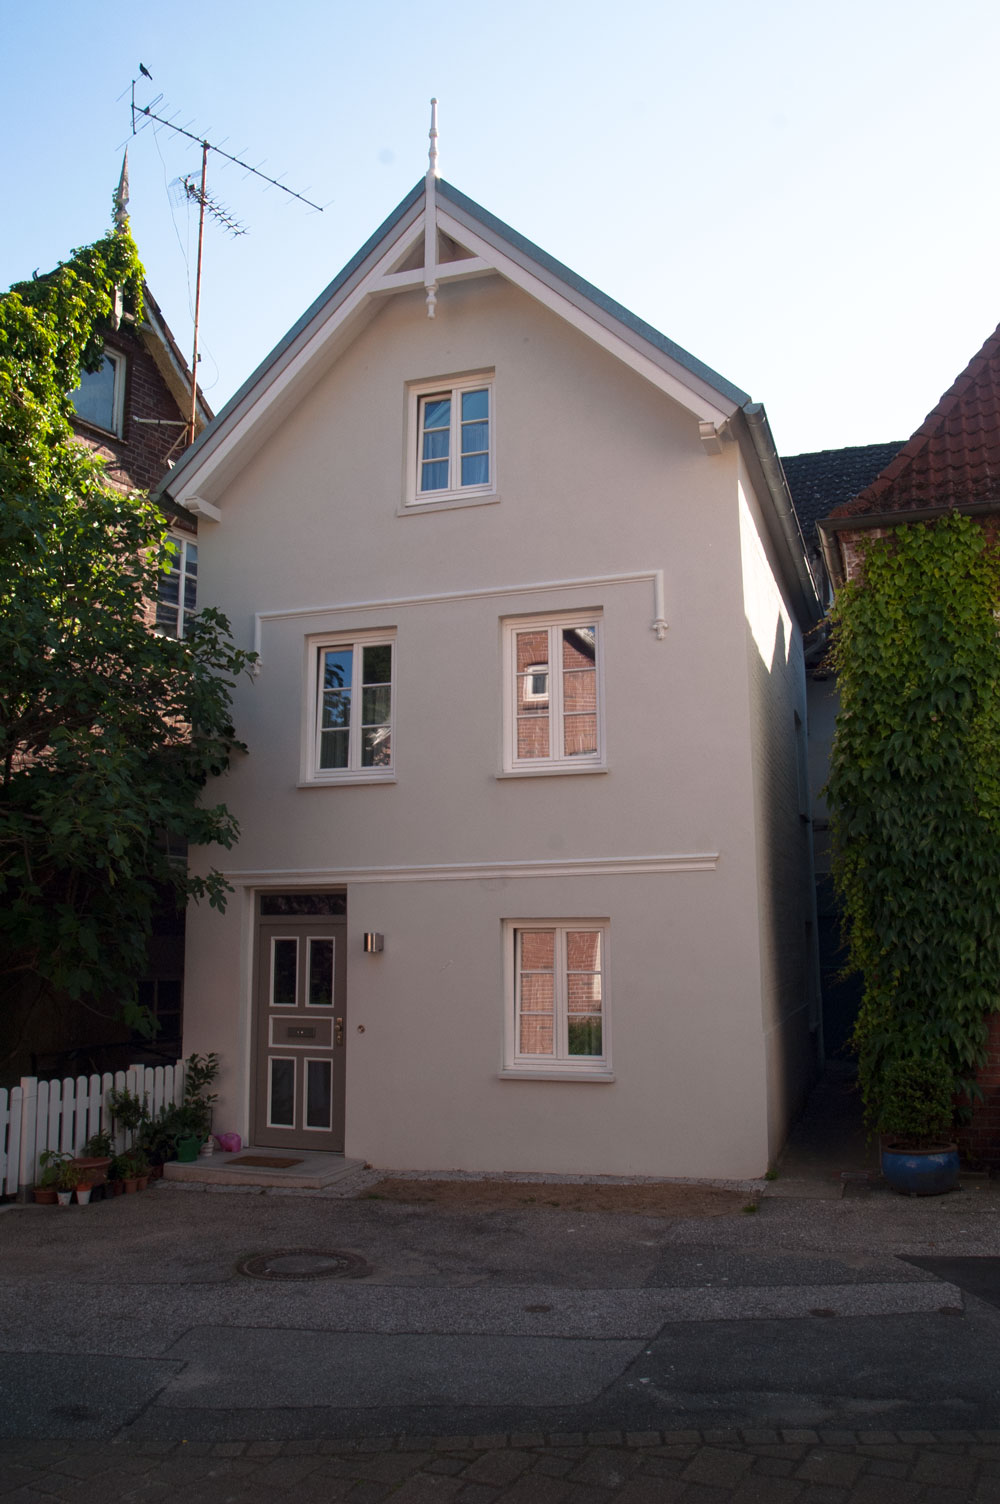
pixel 757 1466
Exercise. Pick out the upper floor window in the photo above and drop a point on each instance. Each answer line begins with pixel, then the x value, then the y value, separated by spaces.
pixel 552 669
pixel 100 398
pixel 350 709
pixel 451 428
pixel 177 592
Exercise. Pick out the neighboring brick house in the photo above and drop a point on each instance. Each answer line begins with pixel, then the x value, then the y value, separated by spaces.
pixel 524 876
pixel 135 412
pixel 950 464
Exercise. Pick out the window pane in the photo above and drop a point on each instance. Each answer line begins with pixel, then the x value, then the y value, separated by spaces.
pixel 319 1104
pixel 192 558
pixel 536 1036
pixel 578 647
pixel 584 1036
pixel 580 690
pixel 537 991
pixel 475 470
pixel 375 704
pixel 284 961
pixel 434 477
pixel 303 903
pixel 337 668
pixel 282 1093
pixel 538 949
pixel 583 950
pixel 436 445
pixel 533 736
pixel 169 587
pixel 475 404
pixel 376 748
pixel 190 592
pixel 378 664
pixel 320 973
pixel 579 735
pixel 437 412
pixel 475 438
pixel 166 620
pixel 333 749
pixel 94 398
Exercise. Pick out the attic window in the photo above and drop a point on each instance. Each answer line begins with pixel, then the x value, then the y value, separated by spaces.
pixel 99 400
pixel 451 441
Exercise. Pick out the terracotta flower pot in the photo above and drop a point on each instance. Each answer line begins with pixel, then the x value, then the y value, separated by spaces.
pixel 131 1185
pixel 45 1195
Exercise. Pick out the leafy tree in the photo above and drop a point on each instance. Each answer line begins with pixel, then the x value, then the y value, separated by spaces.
pixel 915 798
pixel 108 733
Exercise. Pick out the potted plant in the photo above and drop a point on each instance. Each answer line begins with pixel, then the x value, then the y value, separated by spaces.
pixel 912 1108
pixel 47 1188
pixel 199 1073
pixel 116 1174
pixel 70 1177
pixel 95 1159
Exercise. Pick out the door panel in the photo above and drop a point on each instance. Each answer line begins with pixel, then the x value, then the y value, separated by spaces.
pixel 299 1031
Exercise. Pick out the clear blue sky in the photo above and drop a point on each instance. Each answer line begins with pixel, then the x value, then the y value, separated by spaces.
pixel 804 196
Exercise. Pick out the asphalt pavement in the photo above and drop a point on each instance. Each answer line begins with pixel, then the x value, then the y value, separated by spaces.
pixel 838 1342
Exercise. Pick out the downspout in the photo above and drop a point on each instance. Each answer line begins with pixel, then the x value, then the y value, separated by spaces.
pixel 763 443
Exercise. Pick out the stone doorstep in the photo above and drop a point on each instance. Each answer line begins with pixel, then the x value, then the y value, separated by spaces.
pixel 313 1172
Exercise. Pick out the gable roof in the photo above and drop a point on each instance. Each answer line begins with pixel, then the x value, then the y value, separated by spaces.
pixel 824 478
pixel 437 235
pixel 954 456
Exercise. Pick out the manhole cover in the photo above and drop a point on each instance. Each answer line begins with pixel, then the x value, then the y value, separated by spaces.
pixel 303 1263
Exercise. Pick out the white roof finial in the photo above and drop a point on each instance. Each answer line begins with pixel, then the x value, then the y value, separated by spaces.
pixel 432 155
pixel 121 195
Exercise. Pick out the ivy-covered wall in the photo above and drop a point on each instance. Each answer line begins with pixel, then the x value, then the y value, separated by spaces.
pixel 915 795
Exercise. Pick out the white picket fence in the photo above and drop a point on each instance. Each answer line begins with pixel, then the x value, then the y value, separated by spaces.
pixel 40 1115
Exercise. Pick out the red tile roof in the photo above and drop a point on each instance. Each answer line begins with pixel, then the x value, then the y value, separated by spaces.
pixel 954 456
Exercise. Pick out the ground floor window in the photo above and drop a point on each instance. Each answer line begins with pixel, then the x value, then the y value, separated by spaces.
pixel 557 996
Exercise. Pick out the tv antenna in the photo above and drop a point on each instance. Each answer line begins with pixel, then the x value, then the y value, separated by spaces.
pixel 143 115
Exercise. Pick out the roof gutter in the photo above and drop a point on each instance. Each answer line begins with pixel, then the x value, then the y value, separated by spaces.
pixel 767 455
pixel 829 527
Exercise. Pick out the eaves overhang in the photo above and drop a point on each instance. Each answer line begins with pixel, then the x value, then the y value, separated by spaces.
pixel 785 530
pixel 830 527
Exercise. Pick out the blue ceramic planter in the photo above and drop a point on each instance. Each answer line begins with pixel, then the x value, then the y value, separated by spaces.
pixel 921 1172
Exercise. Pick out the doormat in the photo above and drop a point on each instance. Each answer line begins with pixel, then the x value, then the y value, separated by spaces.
pixel 264 1161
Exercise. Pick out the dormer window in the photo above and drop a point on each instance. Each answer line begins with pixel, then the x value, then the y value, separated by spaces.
pixel 99 400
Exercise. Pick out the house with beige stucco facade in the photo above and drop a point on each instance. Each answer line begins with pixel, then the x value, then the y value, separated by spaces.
pixel 524 879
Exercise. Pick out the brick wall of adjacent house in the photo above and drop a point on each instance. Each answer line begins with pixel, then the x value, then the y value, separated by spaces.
pixel 980 1142
pixel 138 459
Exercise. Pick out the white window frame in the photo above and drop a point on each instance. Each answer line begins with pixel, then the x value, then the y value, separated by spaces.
pixel 451 387
pixel 560 1065
pixel 117 360
pixel 183 541
pixel 312 774
pixel 557 761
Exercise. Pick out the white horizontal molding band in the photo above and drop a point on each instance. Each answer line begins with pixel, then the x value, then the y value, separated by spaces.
pixel 445 872
pixel 653 577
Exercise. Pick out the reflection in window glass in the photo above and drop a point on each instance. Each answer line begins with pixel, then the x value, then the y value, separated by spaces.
pixel 281 1094
pixel 320 972
pixel 95 398
pixel 284 965
pixel 319 1094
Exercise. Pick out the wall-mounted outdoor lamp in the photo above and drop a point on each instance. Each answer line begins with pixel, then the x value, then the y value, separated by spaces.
pixel 373 942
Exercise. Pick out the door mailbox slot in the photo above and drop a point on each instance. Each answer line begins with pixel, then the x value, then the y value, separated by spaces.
pixel 288 1035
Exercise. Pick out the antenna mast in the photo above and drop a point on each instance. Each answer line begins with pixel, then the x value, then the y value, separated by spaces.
pixel 146 114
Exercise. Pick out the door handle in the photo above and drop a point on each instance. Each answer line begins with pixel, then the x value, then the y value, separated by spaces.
pixel 338 1037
